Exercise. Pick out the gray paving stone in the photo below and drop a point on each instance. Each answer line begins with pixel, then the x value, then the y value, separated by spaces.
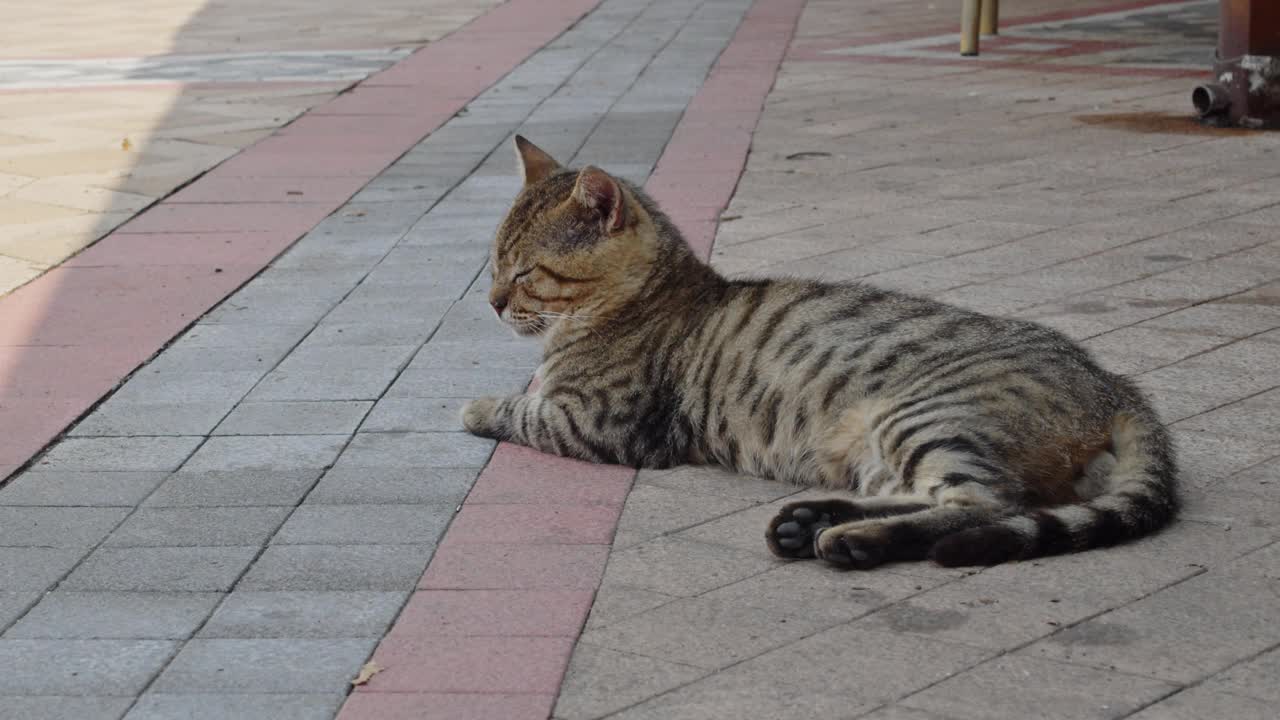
pixel 64 615
pixel 234 488
pixel 600 681
pixel 80 667
pixel 472 382
pixel 1253 678
pixel 704 632
pixel 973 615
pixel 447 262
pixel 424 301
pixel 161 569
pixel 615 602
pixel 684 568
pixel 900 712
pixel 416 450
pixel 338 567
pixel 652 511
pixel 396 190
pixel 153 386
pixel 14 604
pixel 124 418
pixel 742 531
pixel 247 614
pixel 273 339
pixel 1182 634
pixel 510 353
pixel 415 415
pixel 473 321
pixel 333 373
pixel 365 525
pixel 266 452
pixel 812 590
pixel 1200 541
pixel 273 303
pixel 864 670
pixel 325 384
pixel 713 480
pixel 391 486
pixel 228 706
pixel 294 418
pixel 57 526
pixel 198 527
pixel 35 568
pixel 407 331
pixel 119 454
pixel 1229 319
pixel 334 256
pixel 63 707
pixel 371 218
pixel 1020 687
pixel 264 666
pixel 80 489
pixel 1202 702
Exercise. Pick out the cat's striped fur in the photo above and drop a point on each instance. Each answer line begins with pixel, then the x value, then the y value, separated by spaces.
pixel 969 439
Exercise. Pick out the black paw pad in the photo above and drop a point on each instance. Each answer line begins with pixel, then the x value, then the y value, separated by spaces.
pixel 795 537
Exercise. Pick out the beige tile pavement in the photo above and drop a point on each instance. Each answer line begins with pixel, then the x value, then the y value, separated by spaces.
pixel 80 154
pixel 1007 190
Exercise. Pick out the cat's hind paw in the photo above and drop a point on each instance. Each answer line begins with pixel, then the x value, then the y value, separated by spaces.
pixel 793 531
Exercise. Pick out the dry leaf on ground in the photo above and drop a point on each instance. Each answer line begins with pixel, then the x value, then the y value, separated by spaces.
pixel 367 671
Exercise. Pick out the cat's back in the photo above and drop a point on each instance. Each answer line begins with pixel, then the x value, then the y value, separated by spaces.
pixel 831 340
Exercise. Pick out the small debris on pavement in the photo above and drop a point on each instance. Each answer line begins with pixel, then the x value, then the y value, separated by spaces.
pixel 367 671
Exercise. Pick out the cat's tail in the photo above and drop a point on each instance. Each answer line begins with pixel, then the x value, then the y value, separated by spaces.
pixel 1142 497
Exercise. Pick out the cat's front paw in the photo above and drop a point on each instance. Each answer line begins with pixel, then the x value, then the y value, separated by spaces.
pixel 480 417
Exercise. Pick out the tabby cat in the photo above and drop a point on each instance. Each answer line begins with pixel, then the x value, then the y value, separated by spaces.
pixel 968 439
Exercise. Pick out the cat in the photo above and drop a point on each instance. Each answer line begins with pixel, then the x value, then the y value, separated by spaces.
pixel 964 438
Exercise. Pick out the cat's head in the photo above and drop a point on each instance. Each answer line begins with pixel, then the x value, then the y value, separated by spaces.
pixel 575 246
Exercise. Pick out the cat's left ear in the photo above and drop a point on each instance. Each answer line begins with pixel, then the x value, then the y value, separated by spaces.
pixel 535 164
pixel 600 193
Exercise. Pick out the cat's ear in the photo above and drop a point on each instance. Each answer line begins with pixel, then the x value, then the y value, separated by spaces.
pixel 535 163
pixel 600 193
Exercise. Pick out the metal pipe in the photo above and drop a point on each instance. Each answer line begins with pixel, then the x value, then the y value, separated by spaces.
pixel 969 27
pixel 990 17
pixel 1210 99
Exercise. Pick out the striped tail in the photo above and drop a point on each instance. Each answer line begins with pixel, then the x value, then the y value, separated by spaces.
pixel 1142 498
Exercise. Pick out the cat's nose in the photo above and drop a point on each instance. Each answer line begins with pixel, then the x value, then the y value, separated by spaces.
pixel 499 304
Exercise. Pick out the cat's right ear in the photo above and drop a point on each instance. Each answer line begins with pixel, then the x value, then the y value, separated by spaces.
pixel 535 164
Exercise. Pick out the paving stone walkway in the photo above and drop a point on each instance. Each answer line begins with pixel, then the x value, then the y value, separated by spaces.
pixel 106 108
pixel 1066 197
pixel 247 520
pixel 243 518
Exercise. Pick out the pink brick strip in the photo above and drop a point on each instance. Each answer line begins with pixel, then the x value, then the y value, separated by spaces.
pixel 489 633
pixel 69 337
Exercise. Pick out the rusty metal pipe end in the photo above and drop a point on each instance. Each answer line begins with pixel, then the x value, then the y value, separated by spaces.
pixel 1210 99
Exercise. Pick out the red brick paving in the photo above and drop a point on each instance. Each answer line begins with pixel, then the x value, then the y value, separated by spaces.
pixel 463 566
pixel 556 613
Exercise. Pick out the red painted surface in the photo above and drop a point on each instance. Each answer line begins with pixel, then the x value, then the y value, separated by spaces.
pixel 478 613
pixel 228 189
pixel 534 522
pixel 463 566
pixel 70 336
pixel 472 664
